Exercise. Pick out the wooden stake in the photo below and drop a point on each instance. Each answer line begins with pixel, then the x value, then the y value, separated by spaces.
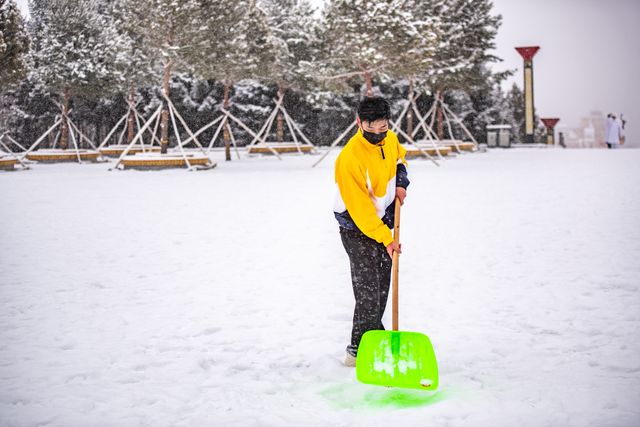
pixel 177 134
pixel 83 136
pixel 138 135
pixel 15 142
pixel 233 141
pixel 265 128
pixel 186 127
pixel 42 137
pixel 398 122
pixel 336 142
pixel 217 132
pixel 295 125
pixel 75 144
pixel 453 139
pixel 295 139
pixel 112 131
pixel 457 119
pixel 424 153
pixel 23 164
pixel 428 132
pixel 202 129
pixel 422 124
pixel 242 125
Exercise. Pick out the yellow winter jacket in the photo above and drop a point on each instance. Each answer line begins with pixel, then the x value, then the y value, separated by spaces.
pixel 365 176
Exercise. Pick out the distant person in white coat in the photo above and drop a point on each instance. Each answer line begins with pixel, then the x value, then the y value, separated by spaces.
pixel 613 131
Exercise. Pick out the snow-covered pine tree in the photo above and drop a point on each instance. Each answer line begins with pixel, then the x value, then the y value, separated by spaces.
pixel 168 31
pixel 467 36
pixel 137 60
pixel 26 109
pixel 460 101
pixel 75 51
pixel 515 103
pixel 293 32
pixel 364 37
pixel 238 46
pixel 425 41
pixel 14 45
pixel 485 104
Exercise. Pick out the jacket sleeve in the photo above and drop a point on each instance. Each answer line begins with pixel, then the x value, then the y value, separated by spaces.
pixel 402 176
pixel 352 183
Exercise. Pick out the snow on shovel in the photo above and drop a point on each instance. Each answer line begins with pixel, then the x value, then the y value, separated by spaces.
pixel 397 358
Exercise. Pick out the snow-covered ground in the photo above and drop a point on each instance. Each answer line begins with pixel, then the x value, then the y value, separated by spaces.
pixel 223 298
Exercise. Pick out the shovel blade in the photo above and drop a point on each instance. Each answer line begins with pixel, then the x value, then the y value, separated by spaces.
pixel 397 359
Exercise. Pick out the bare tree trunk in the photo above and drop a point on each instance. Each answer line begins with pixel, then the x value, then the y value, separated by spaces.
pixel 410 111
pixel 369 81
pixel 226 132
pixel 164 123
pixel 166 78
pixel 64 125
pixel 280 125
pixel 131 118
pixel 440 118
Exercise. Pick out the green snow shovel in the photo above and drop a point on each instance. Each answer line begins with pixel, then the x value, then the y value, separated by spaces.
pixel 397 358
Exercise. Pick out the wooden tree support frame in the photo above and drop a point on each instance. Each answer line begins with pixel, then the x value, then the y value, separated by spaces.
pixel 56 155
pixel 162 161
pixel 432 148
pixel 224 121
pixel 427 152
pixel 335 143
pixel 117 149
pixel 449 117
pixel 260 144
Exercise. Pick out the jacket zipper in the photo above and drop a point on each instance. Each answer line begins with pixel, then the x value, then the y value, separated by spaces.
pixel 382 151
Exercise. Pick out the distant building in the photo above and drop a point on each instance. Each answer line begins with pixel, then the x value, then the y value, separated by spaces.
pixel 589 134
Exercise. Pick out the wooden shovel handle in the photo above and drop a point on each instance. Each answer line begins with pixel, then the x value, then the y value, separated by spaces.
pixel 396 267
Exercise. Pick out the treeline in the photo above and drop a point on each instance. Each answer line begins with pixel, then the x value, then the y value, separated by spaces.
pixel 89 56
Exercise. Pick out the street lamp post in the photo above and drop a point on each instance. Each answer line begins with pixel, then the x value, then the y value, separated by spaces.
pixel 527 54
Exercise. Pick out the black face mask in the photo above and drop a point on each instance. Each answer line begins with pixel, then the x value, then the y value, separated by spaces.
pixel 374 138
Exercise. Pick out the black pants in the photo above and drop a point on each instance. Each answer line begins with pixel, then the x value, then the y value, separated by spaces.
pixel 370 277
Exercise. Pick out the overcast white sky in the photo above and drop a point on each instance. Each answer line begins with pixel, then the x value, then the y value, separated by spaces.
pixel 589 57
